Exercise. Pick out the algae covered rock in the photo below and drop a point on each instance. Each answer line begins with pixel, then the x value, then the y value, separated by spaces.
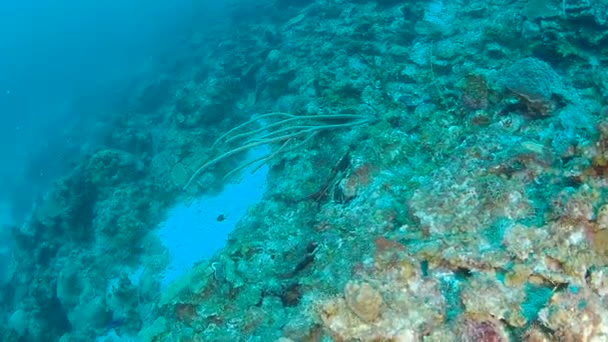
pixel 107 168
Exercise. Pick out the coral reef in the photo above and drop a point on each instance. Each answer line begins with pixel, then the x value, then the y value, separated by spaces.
pixel 471 206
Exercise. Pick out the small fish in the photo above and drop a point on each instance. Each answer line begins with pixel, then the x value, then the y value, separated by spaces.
pixel 220 218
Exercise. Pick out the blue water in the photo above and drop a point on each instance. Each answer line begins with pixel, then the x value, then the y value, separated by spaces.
pixel 64 67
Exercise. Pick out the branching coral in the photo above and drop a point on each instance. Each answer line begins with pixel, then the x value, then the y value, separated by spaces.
pixel 274 128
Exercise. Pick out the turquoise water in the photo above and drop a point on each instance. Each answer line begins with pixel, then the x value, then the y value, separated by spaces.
pixel 304 171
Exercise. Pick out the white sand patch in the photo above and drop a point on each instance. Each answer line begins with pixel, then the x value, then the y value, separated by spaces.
pixel 195 231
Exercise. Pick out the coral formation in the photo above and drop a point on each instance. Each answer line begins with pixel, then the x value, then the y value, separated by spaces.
pixel 469 203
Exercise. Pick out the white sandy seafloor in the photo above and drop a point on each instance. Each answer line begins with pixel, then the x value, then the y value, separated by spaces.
pixel 192 232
